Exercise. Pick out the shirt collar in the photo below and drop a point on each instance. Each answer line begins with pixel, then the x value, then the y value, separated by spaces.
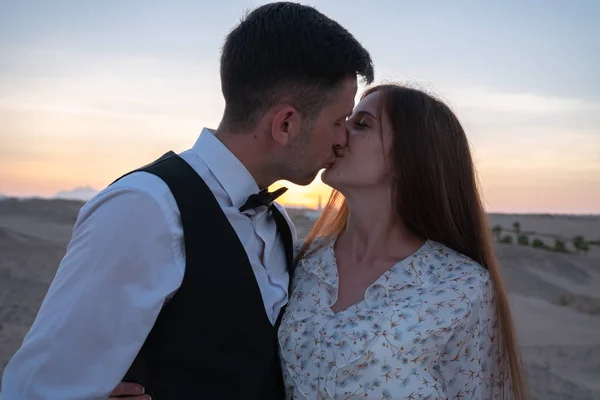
pixel 231 174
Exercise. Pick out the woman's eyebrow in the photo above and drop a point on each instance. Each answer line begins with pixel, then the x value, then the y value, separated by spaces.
pixel 365 112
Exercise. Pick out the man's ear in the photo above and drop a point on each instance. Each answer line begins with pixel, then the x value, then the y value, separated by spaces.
pixel 286 125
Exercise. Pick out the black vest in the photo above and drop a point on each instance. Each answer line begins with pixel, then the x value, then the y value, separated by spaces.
pixel 212 339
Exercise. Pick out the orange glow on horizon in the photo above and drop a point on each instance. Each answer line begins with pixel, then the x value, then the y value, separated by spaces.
pixel 65 143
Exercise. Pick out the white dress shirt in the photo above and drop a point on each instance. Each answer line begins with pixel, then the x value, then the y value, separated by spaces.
pixel 125 259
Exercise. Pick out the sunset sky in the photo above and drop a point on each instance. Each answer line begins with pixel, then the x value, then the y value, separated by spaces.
pixel 92 89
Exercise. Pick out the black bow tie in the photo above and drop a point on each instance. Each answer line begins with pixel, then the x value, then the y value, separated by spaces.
pixel 262 198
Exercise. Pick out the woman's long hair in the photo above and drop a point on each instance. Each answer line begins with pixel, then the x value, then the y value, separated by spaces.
pixel 437 197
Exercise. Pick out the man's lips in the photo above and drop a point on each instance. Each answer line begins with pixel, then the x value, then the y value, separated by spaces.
pixel 339 152
pixel 329 163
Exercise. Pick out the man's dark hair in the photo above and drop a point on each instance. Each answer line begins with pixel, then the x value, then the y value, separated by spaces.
pixel 286 52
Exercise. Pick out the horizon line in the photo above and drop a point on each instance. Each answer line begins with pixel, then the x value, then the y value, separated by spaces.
pixel 304 207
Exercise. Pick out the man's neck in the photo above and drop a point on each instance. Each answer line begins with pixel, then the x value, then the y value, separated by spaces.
pixel 246 147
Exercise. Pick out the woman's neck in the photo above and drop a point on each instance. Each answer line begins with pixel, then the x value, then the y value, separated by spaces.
pixel 375 231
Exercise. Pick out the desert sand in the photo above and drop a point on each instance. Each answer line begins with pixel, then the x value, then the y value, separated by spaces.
pixel 555 296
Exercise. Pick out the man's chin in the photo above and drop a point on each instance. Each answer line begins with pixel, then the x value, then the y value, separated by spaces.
pixel 307 179
pixel 304 180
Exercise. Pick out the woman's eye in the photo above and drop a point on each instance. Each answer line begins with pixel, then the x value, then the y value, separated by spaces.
pixel 360 123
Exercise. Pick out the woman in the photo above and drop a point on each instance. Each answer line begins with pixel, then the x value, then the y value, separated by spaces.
pixel 397 294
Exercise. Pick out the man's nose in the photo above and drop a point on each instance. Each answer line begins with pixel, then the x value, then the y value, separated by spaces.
pixel 341 139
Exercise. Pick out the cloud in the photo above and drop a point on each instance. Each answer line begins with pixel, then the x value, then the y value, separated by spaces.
pixel 83 193
pixel 517 103
pixel 136 88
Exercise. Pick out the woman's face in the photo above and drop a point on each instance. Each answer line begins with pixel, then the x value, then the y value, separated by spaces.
pixel 362 163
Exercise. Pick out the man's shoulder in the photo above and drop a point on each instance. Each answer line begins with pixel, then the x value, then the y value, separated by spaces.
pixel 134 186
pixel 147 183
pixel 142 182
pixel 136 191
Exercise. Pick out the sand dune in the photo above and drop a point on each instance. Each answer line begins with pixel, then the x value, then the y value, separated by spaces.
pixel 555 297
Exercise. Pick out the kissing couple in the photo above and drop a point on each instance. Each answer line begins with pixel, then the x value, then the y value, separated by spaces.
pixel 184 278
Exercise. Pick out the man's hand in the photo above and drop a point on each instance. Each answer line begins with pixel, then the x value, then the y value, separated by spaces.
pixel 129 391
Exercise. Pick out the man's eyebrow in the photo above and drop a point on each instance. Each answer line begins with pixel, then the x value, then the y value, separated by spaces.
pixel 348 114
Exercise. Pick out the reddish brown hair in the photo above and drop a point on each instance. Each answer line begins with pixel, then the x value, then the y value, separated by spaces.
pixel 437 198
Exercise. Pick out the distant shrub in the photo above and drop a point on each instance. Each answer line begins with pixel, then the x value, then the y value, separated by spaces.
pixel 579 243
pixel 523 240
pixel 585 248
pixel 517 227
pixel 497 231
pixel 507 239
pixel 559 245
pixel 539 244
pixel 594 243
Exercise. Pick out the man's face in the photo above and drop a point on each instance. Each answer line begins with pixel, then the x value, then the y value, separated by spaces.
pixel 313 149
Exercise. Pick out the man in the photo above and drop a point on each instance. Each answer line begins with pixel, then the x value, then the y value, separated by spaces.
pixel 177 273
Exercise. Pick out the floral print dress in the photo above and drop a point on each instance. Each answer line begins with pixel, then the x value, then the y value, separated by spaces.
pixel 425 330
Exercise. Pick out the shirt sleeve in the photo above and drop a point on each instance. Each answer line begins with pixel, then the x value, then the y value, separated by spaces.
pixel 472 357
pixel 119 268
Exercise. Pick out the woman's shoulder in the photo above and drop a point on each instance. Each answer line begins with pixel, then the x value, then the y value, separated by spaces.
pixel 459 279
pixel 452 264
